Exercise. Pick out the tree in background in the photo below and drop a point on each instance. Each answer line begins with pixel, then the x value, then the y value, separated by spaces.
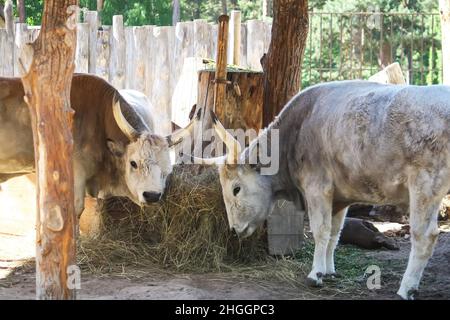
pixel 283 63
pixel 21 11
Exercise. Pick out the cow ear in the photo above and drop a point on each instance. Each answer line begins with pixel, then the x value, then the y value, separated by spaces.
pixel 116 148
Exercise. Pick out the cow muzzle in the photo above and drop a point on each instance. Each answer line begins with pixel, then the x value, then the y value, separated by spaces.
pixel 244 230
pixel 151 197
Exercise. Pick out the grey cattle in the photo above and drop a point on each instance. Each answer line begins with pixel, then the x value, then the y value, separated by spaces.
pixel 349 142
pixel 116 151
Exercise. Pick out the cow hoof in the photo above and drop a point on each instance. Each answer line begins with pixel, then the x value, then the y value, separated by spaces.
pixel 315 283
pixel 412 294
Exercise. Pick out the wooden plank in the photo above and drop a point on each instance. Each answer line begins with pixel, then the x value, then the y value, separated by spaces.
pixel 160 95
pixel 21 37
pixel 243 55
pixel 130 65
pixel 103 51
pixel 285 229
pixel 267 35
pixel 234 38
pixel 183 48
pixel 82 51
pixel 255 44
pixel 7 54
pixel 118 54
pixel 202 40
pixel 91 18
pixel 141 54
pixel 149 61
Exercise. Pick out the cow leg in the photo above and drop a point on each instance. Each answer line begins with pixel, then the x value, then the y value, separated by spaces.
pixel 337 222
pixel 424 208
pixel 319 213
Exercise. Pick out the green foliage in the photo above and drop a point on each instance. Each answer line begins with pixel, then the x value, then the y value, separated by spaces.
pixel 352 45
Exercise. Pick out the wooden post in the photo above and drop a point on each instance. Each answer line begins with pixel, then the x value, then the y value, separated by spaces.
pixel 220 85
pixel 90 17
pixel 234 40
pixel 47 67
pixel 103 53
pixel 82 53
pixel 117 72
pixel 255 44
pixel 21 11
pixel 444 9
pixel 9 18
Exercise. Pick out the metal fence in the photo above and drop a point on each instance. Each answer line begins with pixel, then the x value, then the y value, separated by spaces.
pixel 357 45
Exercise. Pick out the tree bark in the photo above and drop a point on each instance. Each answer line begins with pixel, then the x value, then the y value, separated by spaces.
pixel 176 12
pixel 48 65
pixel 283 63
pixel 21 11
pixel 444 9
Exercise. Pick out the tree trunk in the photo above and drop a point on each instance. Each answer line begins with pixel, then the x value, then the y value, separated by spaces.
pixel 175 12
pixel 48 65
pixel 444 9
pixel 283 63
pixel 21 11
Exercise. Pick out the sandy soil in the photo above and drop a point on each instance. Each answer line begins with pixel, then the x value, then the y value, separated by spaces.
pixel 17 281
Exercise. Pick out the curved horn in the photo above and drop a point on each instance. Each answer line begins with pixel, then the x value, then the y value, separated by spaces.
pixel 179 135
pixel 233 146
pixel 207 161
pixel 123 124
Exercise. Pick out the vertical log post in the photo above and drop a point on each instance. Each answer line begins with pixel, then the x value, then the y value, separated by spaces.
pixel 220 85
pixel 234 40
pixel 220 82
pixel 117 72
pixel 90 17
pixel 47 66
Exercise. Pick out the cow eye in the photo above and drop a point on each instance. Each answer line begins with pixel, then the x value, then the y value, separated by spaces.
pixel 236 190
pixel 133 164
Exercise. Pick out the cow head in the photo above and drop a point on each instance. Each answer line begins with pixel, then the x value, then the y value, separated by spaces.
pixel 247 194
pixel 144 162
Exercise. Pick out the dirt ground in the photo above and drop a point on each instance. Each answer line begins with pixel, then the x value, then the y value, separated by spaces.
pixel 17 276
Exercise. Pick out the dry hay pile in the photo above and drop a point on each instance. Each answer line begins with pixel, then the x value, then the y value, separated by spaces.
pixel 188 231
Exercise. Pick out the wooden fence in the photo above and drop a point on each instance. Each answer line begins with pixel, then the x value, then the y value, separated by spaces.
pixel 162 62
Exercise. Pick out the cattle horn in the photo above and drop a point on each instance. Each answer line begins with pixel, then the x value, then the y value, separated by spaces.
pixel 179 135
pixel 233 146
pixel 123 124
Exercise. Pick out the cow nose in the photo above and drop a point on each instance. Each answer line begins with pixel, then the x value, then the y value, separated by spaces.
pixel 152 196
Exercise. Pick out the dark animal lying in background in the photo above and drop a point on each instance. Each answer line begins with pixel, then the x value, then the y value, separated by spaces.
pixel 364 234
